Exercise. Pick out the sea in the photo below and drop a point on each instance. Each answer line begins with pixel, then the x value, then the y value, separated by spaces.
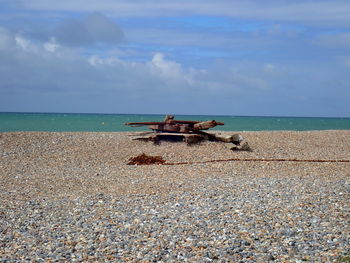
pixel 76 122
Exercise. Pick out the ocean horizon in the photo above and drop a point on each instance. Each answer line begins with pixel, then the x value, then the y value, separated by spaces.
pixel 109 122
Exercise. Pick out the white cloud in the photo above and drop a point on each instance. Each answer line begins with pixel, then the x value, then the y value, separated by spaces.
pixel 109 61
pixel 95 61
pixel 22 42
pixel 43 80
pixel 51 45
pixel 165 68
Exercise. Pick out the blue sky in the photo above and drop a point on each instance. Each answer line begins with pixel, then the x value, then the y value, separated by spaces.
pixel 269 58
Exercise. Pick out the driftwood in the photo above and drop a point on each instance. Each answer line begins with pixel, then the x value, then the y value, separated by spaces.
pixel 190 132
pixel 191 139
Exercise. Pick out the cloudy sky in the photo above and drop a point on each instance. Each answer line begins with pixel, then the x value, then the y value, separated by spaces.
pixel 223 57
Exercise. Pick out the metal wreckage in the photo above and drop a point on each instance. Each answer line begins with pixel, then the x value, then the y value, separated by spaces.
pixel 190 132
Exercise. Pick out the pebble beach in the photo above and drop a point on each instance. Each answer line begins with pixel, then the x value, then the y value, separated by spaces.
pixel 71 197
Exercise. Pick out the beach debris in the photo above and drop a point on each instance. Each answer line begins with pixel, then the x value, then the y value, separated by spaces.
pixel 176 126
pixel 243 147
pixel 144 159
pixel 187 131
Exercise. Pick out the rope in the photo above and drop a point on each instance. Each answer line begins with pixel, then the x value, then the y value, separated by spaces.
pixel 260 160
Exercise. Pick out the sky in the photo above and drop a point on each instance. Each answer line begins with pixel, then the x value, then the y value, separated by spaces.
pixel 223 57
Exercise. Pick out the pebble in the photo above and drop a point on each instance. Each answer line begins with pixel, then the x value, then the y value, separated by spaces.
pixel 203 225
pixel 219 212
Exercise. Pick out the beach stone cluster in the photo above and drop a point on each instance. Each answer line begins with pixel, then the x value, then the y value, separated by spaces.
pixel 225 220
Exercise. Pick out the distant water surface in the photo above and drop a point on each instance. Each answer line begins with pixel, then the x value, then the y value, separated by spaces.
pixel 59 122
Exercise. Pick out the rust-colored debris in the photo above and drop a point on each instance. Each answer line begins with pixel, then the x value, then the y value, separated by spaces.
pixel 144 159
pixel 177 126
pixel 190 132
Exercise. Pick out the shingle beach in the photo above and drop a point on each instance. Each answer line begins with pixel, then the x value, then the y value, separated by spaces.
pixel 71 197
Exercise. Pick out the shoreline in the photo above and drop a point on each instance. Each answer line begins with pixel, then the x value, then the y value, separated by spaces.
pixel 71 196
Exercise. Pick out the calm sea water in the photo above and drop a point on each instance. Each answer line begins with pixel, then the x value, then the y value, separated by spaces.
pixel 115 122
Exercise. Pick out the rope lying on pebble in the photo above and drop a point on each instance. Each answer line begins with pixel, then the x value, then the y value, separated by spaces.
pixel 144 159
pixel 261 160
